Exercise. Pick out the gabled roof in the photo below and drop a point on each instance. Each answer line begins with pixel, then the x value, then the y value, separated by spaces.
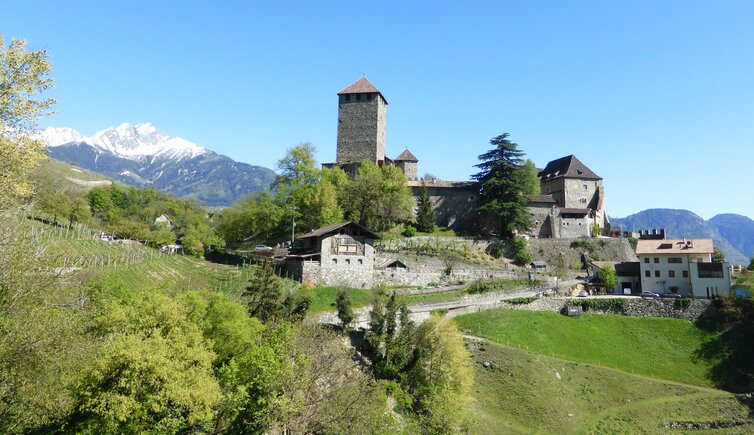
pixel 335 227
pixel 406 156
pixel 685 246
pixel 546 199
pixel 568 167
pixel 361 86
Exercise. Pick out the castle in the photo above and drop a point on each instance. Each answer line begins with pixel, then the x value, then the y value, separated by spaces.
pixel 572 200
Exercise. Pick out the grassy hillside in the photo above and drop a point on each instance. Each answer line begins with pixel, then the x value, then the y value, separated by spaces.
pixel 525 392
pixel 654 347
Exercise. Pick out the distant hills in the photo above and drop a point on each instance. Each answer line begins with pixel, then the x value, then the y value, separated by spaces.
pixel 732 233
pixel 142 156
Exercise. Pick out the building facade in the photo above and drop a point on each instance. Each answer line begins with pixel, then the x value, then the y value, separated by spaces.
pixel 682 266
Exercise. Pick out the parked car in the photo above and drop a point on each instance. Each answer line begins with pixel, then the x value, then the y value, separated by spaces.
pixel 583 294
pixel 670 295
pixel 648 294
pixel 262 248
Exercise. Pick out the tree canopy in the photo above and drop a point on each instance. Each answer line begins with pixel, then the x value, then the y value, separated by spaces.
pixel 23 76
pixel 503 185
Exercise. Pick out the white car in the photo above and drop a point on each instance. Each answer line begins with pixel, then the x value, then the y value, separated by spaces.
pixel 262 248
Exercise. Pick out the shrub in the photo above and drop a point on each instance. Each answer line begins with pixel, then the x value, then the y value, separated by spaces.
pixel 409 231
pixel 521 301
pixel 616 305
pixel 682 303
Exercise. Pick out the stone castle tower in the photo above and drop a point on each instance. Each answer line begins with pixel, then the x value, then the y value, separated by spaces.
pixel 362 110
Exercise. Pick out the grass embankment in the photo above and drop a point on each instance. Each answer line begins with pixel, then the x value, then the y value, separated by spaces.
pixel 524 392
pixel 655 347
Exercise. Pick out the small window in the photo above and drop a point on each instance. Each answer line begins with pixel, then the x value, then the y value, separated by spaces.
pixel 685 273
pixel 361 261
pixel 348 261
pixel 647 273
pixel 348 97
pixel 671 274
pixel 586 187
pixel 657 273
pixel 334 261
pixel 675 260
pixel 582 200
pixel 646 259
pixel 358 97
pixel 657 260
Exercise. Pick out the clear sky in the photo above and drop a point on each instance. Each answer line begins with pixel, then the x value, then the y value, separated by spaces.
pixel 657 97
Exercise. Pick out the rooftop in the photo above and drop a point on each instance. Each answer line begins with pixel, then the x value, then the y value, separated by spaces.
pixel 568 167
pixel 361 86
pixel 542 199
pixel 335 227
pixel 406 156
pixel 679 246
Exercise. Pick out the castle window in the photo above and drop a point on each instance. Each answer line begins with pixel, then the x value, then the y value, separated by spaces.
pixel 348 97
pixel 647 273
pixel 676 260
pixel 334 261
pixel 586 187
pixel 582 200
pixel 671 274
pixel 348 261
pixel 646 259
pixel 657 260
pixel 685 273
pixel 361 261
pixel 358 97
pixel 657 273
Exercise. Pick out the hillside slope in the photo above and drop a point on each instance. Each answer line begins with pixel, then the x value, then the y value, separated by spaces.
pixel 737 229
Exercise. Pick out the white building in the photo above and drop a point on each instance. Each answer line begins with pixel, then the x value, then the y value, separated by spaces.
pixel 682 266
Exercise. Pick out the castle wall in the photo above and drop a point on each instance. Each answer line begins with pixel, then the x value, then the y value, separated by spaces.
pixel 582 193
pixel 542 220
pixel 355 271
pixel 454 203
pixel 361 128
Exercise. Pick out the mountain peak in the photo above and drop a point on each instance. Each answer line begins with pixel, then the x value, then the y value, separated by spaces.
pixel 134 142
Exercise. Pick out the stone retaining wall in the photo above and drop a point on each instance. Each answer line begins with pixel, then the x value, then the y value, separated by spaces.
pixel 634 307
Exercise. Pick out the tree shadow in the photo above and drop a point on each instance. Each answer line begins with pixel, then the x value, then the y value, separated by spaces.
pixel 731 348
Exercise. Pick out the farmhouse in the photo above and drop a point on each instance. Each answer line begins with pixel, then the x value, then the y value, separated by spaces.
pixel 340 254
pixel 682 266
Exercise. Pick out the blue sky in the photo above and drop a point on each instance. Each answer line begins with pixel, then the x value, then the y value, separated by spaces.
pixel 656 97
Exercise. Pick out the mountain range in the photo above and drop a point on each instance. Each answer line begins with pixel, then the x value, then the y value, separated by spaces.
pixel 732 233
pixel 142 156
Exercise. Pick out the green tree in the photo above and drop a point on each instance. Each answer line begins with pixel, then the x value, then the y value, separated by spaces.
pixel 23 76
pixel 378 197
pixel 718 255
pixel 609 278
pixel 502 185
pixel 344 306
pixel 751 264
pixel 521 254
pixel 442 377
pixel 425 213
pixel 532 186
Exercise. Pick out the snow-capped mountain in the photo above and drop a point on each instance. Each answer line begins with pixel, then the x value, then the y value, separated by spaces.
pixel 133 142
pixel 141 155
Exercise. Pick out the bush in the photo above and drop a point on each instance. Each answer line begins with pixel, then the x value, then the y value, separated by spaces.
pixel 682 303
pixel 409 231
pixel 615 305
pixel 521 301
pixel 520 250
pixel 484 286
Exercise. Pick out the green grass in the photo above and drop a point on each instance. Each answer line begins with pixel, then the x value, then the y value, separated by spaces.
pixel 655 347
pixel 324 299
pixel 521 393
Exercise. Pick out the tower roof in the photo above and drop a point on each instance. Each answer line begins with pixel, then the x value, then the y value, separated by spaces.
pixel 568 167
pixel 361 86
pixel 406 156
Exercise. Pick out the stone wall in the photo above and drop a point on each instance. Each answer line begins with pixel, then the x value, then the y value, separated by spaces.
pixel 638 307
pixel 355 271
pixel 454 203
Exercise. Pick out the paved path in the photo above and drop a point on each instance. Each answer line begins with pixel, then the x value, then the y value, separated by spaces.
pixel 421 312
